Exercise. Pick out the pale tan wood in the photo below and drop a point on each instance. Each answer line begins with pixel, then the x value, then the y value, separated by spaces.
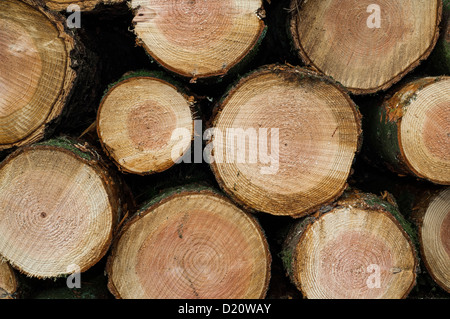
pixel 359 249
pixel 198 38
pixel 319 134
pixel 424 131
pixel 58 209
pixel 432 212
pixel 8 281
pixel 136 121
pixel 36 76
pixel 190 244
pixel 333 37
pixel 409 129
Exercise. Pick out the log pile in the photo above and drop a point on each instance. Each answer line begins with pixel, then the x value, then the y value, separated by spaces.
pixel 224 149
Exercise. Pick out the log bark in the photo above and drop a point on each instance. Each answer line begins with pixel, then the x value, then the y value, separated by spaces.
pixel 284 140
pixel 431 214
pixel 344 40
pixel 199 39
pixel 8 281
pixel 190 242
pixel 361 247
pixel 60 205
pixel 84 5
pixel 408 131
pixel 440 58
pixel 137 119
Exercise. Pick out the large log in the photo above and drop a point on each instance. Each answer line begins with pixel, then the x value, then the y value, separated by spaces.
pixel 283 140
pixel 59 208
pixel 366 46
pixel 190 242
pixel 440 58
pixel 199 39
pixel 409 130
pixel 431 212
pixel 360 248
pixel 42 64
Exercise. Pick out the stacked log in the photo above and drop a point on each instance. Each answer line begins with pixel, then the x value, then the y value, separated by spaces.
pixel 431 213
pixel 410 129
pixel 358 249
pixel 219 164
pixel 266 161
pixel 59 208
pixel 190 243
pixel 365 46
pixel 199 39
pixel 136 120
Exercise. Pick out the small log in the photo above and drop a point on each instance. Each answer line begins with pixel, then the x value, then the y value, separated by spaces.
pixel 365 46
pixel 45 68
pixel 409 131
pixel 431 213
pixel 361 248
pixel 137 119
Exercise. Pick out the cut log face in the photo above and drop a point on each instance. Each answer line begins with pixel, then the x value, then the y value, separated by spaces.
pixel 136 120
pixel 198 38
pixel 284 142
pixel 189 245
pixel 410 129
pixel 435 238
pixel 8 281
pixel 424 132
pixel 365 46
pixel 36 76
pixel 57 211
pixel 353 252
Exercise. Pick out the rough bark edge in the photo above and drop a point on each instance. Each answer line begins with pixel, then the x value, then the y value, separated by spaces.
pixel 351 198
pixel 293 74
pixel 293 21
pixel 14 294
pixel 190 98
pixel 421 84
pixel 69 79
pixel 418 212
pixel 440 57
pixel 233 67
pixel 386 126
pixel 85 5
pixel 88 156
pixel 164 197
